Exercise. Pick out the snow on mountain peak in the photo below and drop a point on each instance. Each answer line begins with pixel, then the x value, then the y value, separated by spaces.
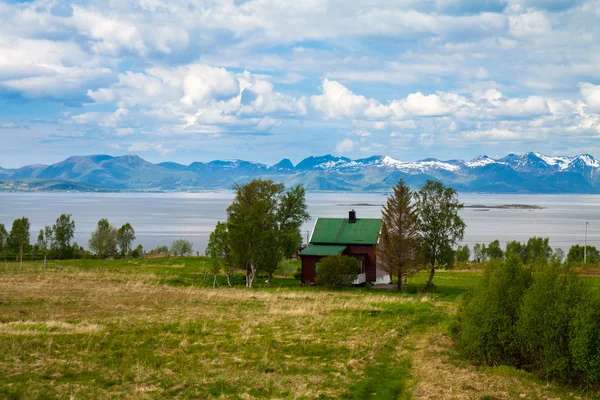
pixel 480 161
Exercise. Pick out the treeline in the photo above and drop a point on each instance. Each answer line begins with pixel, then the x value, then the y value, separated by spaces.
pixel 56 242
pixel 535 250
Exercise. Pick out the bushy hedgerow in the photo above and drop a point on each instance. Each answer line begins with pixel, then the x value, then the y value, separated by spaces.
pixel 544 320
pixel 335 272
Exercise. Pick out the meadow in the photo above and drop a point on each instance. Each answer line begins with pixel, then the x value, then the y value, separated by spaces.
pixel 156 328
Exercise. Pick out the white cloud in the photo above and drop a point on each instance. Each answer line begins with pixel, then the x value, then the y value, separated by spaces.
pixel 591 95
pixel 345 146
pixel 425 105
pixel 529 24
pixel 338 101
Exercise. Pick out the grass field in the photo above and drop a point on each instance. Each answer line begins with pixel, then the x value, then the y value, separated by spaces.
pixel 153 329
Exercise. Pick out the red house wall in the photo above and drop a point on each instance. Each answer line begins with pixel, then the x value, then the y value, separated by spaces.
pixel 367 251
pixel 370 259
pixel 308 268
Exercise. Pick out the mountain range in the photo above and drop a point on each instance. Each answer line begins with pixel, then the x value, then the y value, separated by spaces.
pixel 527 173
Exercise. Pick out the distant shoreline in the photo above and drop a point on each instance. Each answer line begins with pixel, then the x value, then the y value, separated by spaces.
pixel 506 207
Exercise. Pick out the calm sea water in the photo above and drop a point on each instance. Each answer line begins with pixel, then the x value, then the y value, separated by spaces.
pixel 158 219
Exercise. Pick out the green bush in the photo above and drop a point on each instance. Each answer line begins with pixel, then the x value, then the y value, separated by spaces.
pixel 335 272
pixel 545 317
pixel 585 340
pixel 544 320
pixel 487 318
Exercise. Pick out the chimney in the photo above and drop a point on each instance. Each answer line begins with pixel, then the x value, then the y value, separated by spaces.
pixel 352 217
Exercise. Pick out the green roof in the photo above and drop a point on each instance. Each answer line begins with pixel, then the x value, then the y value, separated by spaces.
pixel 327 250
pixel 341 231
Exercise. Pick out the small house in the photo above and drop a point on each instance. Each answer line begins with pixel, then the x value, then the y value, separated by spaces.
pixel 352 236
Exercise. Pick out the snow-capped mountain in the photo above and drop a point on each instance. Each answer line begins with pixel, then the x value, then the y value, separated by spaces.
pixel 527 173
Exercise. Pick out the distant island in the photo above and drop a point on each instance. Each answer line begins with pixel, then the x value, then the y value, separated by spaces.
pixel 360 205
pixel 506 207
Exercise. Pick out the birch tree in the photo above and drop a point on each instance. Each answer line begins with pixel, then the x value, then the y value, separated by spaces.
pixel 3 243
pixel 103 241
pixel 20 237
pixel 264 222
pixel 441 226
pixel 125 238
pixel 218 249
pixel 44 240
pixel 63 233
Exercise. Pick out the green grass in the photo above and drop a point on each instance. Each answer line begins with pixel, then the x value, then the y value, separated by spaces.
pixel 155 328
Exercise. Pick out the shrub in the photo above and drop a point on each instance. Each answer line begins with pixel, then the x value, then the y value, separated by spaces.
pixel 181 247
pixel 335 272
pixel 546 312
pixel 487 318
pixel 585 340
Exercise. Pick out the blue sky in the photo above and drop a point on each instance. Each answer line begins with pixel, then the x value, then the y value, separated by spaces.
pixel 262 80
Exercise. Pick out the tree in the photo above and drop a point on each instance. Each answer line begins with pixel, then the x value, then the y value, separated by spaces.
pixel 218 248
pixel 463 254
pixel 575 255
pixel 335 272
pixel 103 240
pixel 44 240
pixel 264 223
pixel 181 247
pixel 537 251
pixel 291 214
pixel 3 242
pixel 63 233
pixel 441 226
pixel 516 249
pixel 138 252
pixel 400 246
pixel 20 237
pixel 494 251
pixel 125 238
pixel 480 252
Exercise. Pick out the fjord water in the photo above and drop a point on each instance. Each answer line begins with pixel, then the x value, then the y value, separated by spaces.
pixel 159 218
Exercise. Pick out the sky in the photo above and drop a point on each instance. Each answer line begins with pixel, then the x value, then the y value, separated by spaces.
pixel 262 80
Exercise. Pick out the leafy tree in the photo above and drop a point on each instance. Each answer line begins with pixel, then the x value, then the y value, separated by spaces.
pixel 63 233
pixel 463 254
pixel 263 223
pixel 441 226
pixel 537 250
pixel 291 214
pixel 20 237
pixel 516 249
pixel 335 272
pixel 138 252
pixel 3 242
pixel 480 252
pixel 125 238
pixel 218 248
pixel 400 247
pixel 575 255
pixel 103 241
pixel 494 251
pixel 44 240
pixel 181 247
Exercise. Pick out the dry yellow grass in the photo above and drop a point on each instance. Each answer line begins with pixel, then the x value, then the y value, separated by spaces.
pixel 110 335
